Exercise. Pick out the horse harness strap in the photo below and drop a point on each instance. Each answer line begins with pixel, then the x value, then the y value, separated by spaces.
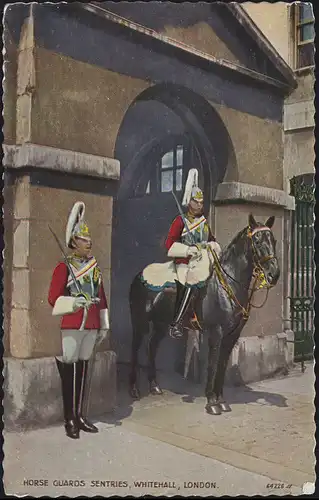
pixel 258 273
pixel 225 284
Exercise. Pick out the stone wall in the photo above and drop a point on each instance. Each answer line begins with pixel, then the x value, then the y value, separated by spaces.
pixel 258 147
pixel 35 200
pixel 81 108
pixel 38 195
pixel 274 22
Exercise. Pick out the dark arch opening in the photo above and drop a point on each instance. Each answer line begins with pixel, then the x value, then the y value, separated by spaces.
pixel 204 127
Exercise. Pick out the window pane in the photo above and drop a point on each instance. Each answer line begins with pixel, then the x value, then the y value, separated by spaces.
pixel 168 160
pixel 179 155
pixel 306 55
pixel 179 179
pixel 307 32
pixel 305 12
pixel 167 181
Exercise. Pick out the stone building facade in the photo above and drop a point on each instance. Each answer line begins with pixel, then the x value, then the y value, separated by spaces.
pixel 290 28
pixel 95 97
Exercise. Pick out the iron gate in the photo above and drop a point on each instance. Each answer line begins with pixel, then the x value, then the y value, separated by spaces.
pixel 302 267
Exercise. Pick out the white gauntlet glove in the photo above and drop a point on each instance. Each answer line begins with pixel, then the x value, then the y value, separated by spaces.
pixel 80 302
pixel 102 334
pixel 193 252
pixel 104 326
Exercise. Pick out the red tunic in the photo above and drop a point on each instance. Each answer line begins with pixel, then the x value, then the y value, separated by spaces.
pixel 73 321
pixel 175 234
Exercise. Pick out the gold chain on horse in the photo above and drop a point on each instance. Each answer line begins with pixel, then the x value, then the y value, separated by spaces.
pixel 259 283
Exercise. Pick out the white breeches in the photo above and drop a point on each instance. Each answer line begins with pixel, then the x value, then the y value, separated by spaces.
pixel 77 345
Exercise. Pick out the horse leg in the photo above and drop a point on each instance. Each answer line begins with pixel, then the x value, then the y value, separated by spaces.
pixel 214 344
pixel 225 351
pixel 136 344
pixel 156 337
pixel 227 346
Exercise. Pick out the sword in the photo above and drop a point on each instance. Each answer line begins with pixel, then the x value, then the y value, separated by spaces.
pixel 76 283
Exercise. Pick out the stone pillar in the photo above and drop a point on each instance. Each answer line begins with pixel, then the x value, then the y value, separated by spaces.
pixel 26 82
pixel 44 183
pixel 20 334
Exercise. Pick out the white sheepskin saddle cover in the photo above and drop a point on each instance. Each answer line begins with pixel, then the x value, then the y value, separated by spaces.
pixel 159 276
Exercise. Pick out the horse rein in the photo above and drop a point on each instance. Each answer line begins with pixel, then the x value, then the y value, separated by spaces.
pixel 258 272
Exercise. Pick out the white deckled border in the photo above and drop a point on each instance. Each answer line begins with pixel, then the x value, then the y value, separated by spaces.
pixel 60 160
pixel 254 194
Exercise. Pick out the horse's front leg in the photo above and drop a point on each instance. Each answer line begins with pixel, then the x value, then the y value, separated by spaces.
pixel 225 352
pixel 214 344
pixel 220 377
pixel 157 335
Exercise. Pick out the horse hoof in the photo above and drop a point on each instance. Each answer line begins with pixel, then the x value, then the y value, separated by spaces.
pixel 213 409
pixel 225 406
pixel 135 393
pixel 155 390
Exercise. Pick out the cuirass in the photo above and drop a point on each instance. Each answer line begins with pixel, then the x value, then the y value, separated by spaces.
pixel 199 230
pixel 88 276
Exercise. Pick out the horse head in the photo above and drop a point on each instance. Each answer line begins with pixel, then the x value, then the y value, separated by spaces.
pixel 263 247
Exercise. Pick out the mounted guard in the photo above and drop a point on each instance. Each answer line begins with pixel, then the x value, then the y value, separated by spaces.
pixel 77 295
pixel 189 242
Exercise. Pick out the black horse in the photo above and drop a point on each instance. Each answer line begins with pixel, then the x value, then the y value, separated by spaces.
pixel 224 310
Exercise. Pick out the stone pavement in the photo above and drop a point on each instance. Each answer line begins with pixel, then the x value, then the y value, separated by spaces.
pixel 171 443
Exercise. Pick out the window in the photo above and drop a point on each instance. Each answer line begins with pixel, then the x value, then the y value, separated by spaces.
pixel 171 170
pixel 304 35
pixel 165 168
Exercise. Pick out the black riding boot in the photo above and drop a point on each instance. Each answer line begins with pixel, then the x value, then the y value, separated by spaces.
pixel 183 297
pixel 82 371
pixel 67 373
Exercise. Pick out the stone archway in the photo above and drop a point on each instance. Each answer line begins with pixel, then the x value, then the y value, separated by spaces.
pixel 161 122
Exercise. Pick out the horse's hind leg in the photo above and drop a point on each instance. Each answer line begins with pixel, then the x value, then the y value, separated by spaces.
pixel 136 344
pixel 157 335
pixel 214 345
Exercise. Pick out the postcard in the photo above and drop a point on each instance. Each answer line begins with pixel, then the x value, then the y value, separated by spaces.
pixel 159 238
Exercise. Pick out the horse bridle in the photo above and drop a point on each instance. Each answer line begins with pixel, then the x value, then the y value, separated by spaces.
pixel 258 272
pixel 257 260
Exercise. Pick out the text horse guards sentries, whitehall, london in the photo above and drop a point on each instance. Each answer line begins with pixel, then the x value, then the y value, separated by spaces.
pixel 222 291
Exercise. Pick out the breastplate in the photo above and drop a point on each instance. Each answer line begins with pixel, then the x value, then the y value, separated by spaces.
pixel 88 276
pixel 199 230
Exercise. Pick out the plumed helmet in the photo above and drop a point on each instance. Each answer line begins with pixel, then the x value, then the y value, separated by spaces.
pixel 192 191
pixel 76 225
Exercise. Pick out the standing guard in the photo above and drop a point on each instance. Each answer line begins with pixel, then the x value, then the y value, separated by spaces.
pixel 77 294
pixel 188 236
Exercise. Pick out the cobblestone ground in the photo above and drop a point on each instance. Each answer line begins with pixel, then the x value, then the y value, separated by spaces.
pixel 264 446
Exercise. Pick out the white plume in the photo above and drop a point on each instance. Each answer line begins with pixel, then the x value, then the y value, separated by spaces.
pixel 76 215
pixel 192 181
